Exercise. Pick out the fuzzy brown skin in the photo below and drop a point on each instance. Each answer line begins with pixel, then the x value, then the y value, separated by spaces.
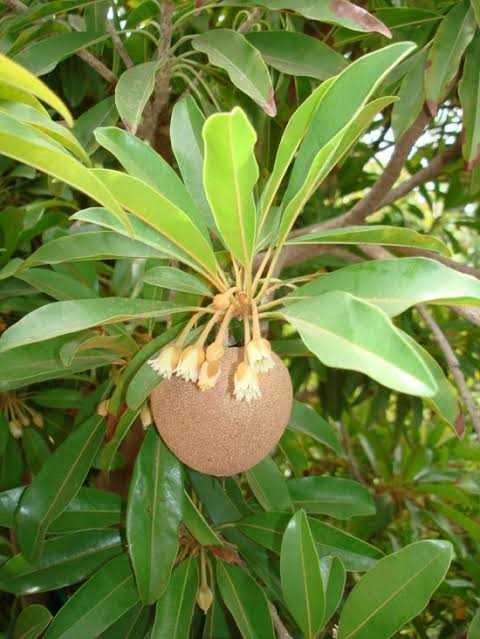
pixel 213 432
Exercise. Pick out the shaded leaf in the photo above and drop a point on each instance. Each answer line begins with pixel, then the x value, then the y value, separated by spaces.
pixel 196 524
pixel 269 487
pixel 334 496
pixel 334 578
pixel 132 92
pixel 469 92
pixel 31 622
pixel 305 419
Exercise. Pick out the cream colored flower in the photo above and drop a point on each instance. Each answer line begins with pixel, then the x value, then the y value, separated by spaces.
pixel 209 374
pixel 190 362
pixel 259 353
pixel 246 383
pixel 214 352
pixel 166 361
pixel 16 428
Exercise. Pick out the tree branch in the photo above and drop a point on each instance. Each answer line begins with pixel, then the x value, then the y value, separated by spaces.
pixel 119 46
pixel 282 632
pixel 454 367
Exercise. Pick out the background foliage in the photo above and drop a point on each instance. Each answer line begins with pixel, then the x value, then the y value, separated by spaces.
pixel 377 491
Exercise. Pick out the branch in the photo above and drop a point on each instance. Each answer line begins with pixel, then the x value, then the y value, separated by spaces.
pixel 282 632
pixel 86 56
pixel 119 46
pixel 454 367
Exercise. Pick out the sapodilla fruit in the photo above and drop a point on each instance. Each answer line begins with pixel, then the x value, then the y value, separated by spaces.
pixel 213 432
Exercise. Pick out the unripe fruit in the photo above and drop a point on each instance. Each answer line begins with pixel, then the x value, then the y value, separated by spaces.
pixel 215 433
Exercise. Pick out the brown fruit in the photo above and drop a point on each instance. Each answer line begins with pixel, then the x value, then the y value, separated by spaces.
pixel 215 433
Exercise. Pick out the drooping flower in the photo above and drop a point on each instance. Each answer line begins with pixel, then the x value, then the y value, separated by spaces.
pixel 16 428
pixel 214 352
pixel 246 383
pixel 259 353
pixel 209 374
pixel 190 362
pixel 166 361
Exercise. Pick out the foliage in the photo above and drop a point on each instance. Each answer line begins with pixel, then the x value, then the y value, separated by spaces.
pixel 170 166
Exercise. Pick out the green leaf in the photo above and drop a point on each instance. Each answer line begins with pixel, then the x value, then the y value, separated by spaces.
pixel 295 53
pixel 411 94
pixel 176 280
pixel 133 623
pixel 230 174
pixel 469 92
pixel 476 9
pixel 334 578
pixel 218 504
pixel 243 63
pixel 417 280
pixel 474 627
pixel 31 116
pixel 35 448
pixel 268 486
pixel 174 611
pixel 395 590
pixel 60 286
pixel 22 143
pixel 101 114
pixel 160 213
pixel 153 516
pixel 304 419
pixel 333 496
pixel 15 76
pixel 31 622
pixel 103 599
pixel 132 92
pixel 301 576
pixel 385 235
pixel 65 561
pixel 108 454
pixel 451 39
pixel 342 102
pixel 92 245
pixel 60 318
pixel 55 485
pixel 196 524
pixel 140 160
pixel 42 56
pixel 187 145
pixel 346 332
pixel 246 601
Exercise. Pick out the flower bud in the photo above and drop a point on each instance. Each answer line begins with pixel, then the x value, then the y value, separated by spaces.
pixel 102 408
pixel 246 383
pixel 259 353
pixel 204 598
pixel 190 362
pixel 16 428
pixel 209 374
pixel 221 301
pixel 166 361
pixel 38 420
pixel 145 417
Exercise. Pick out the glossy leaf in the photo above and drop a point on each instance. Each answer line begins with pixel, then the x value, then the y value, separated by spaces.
pixel 153 516
pixel 174 279
pixel 246 68
pixel 55 485
pixel 60 286
pixel 385 235
pixel 31 622
pixel 187 144
pixel 417 280
pixel 132 92
pixel 65 561
pixel 245 600
pixel 295 53
pixel 334 578
pixel 133 623
pixel 301 576
pixel 103 599
pixel 469 92
pixel 196 524
pixel 160 213
pixel 60 318
pixel 268 486
pixel 174 610
pixel 305 419
pixel 140 160
pixel 452 38
pixel 395 590
pixel 17 77
pixel 334 496
pixel 230 174
pixel 346 332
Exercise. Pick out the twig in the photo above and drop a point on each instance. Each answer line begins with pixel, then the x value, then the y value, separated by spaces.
pixel 119 46
pixel 86 56
pixel 454 367
pixel 282 632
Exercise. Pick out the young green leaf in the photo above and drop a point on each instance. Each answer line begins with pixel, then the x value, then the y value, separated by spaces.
pixel 245 600
pixel 416 280
pixel 31 622
pixel 55 485
pixel 395 590
pixel 132 92
pixel 305 419
pixel 230 173
pixel 469 92
pixel 153 516
pixel 16 77
pixel 334 496
pixel 103 599
pixel 174 610
pixel 346 332
pixel 269 487
pixel 246 68
pixel 301 576
pixel 452 38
